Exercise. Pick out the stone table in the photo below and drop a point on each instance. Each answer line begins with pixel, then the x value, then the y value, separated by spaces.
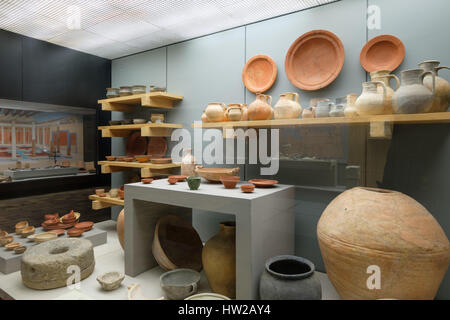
pixel 265 223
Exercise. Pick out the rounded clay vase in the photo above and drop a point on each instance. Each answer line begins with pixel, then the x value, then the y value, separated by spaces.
pixel 370 102
pixel 215 112
pixel 288 106
pixel 261 108
pixel 234 112
pixel 120 227
pixel 377 228
pixel 442 97
pixel 289 278
pixel 385 76
pixel 413 96
pixel 219 260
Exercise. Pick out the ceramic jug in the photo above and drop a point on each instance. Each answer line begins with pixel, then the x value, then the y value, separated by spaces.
pixel 337 110
pixel 188 163
pixel 323 108
pixel 371 102
pixel 261 108
pixel 350 110
pixel 385 76
pixel 442 97
pixel 215 111
pixel 244 112
pixel 234 112
pixel 413 96
pixel 288 106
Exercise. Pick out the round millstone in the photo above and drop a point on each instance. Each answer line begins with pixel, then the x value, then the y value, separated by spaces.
pixel 46 265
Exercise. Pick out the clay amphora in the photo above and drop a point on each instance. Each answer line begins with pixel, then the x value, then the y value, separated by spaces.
pixel 261 108
pixel 370 102
pixel 413 96
pixel 442 97
pixel 215 111
pixel 385 76
pixel 288 106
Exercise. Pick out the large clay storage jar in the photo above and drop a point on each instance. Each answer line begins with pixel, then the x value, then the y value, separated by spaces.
pixel 215 112
pixel 289 278
pixel 385 76
pixel 442 96
pixel 234 112
pixel 219 260
pixel 261 108
pixel 413 96
pixel 350 109
pixel 288 106
pixel 378 228
pixel 370 102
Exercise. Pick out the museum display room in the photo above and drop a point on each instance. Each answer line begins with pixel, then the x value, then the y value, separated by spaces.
pixel 224 150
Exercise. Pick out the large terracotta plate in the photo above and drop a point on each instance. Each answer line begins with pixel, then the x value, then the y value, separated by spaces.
pixel 136 144
pixel 157 147
pixel 259 73
pixel 263 183
pixel 314 60
pixel 385 52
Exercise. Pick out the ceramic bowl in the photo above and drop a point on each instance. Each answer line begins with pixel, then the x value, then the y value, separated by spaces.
pixel 74 232
pixel 99 191
pixel 230 182
pixel 125 91
pixel 28 231
pixel 19 250
pixel 172 180
pixel 85 226
pixel 161 160
pixel 139 121
pixel 6 240
pixel 12 245
pixel 157 117
pixel 194 182
pixel 3 234
pixel 207 296
pixel 112 93
pixel 247 188
pixel 115 122
pixel 114 193
pixel 157 89
pixel 50 216
pixel 43 237
pixel 20 226
pixel 58 232
pixel 142 159
pixel 110 280
pixel 51 222
pixel 146 181
pixel 111 158
pixel 138 89
pixel 128 159
pixel 179 284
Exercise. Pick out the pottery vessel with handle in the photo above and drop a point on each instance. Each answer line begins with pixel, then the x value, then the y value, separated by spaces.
pixel 413 96
pixel 288 106
pixel 234 112
pixel 370 102
pixel 261 108
pixel 215 112
pixel 441 100
pixel 385 76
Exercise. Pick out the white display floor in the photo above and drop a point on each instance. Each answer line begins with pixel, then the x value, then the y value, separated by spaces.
pixel 110 257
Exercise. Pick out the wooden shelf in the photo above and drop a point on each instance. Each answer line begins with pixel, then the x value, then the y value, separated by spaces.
pixel 147 169
pixel 162 100
pixel 99 203
pixel 147 130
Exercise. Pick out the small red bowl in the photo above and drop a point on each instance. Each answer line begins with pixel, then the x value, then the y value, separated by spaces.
pixel 74 232
pixel 50 216
pixel 247 188
pixel 86 225
pixel 173 180
pixel 146 181
pixel 230 182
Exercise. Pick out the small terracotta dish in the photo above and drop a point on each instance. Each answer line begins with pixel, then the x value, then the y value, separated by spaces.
pixel 142 159
pixel 110 158
pixel 43 237
pixel 263 183
pixel 161 160
pixel 384 52
pixel 85 226
pixel 103 195
pixel 12 245
pixel 146 181
pixel 28 231
pixel 99 191
pixel 50 216
pixel 51 222
pixel 6 240
pixel 19 250
pixel 70 217
pixel 259 73
pixel 247 188
pixel 110 280
pixel 128 159
pixel 230 182
pixel 172 180
pixel 74 232
pixel 58 232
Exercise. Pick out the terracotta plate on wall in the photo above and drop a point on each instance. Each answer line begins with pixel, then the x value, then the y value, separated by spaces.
pixel 314 60
pixel 385 52
pixel 136 144
pixel 157 147
pixel 259 73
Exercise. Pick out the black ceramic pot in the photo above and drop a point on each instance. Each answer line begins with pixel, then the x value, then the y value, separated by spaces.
pixel 289 278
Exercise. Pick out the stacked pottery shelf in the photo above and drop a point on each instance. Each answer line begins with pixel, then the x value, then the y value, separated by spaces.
pixel 157 100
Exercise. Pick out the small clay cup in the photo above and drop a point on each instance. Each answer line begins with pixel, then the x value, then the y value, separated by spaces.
pixel 230 182
pixel 173 180
pixel 6 240
pixel 194 182
pixel 114 193
pixel 146 181
pixel 247 188
pixel 19 250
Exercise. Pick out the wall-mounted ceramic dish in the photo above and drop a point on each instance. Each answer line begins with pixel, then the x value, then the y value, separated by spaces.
pixel 259 73
pixel 314 60
pixel 384 52
pixel 136 144
pixel 263 183
pixel 157 147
